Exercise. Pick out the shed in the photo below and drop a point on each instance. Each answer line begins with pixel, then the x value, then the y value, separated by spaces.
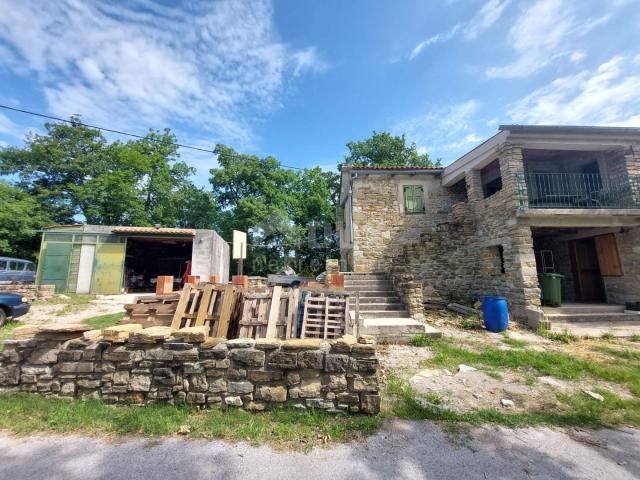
pixel 104 259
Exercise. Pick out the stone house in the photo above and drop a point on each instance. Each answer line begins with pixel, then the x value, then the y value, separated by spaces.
pixel 529 200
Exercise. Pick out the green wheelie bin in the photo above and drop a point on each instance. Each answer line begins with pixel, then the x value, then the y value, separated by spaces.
pixel 551 285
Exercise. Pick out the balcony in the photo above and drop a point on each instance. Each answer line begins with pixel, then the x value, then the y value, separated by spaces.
pixel 578 191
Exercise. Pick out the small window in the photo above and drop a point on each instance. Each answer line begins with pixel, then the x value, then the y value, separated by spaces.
pixel 413 199
pixel 31 267
pixel 14 266
pixel 3 264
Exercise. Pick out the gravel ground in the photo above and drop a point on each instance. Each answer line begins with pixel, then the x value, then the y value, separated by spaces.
pixel 403 450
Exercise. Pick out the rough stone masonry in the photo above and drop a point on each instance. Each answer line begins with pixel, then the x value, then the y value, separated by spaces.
pixel 128 364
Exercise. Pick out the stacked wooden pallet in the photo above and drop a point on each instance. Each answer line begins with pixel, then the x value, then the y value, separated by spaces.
pixel 151 311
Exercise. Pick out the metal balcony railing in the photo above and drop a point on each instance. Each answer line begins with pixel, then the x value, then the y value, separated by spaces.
pixel 578 190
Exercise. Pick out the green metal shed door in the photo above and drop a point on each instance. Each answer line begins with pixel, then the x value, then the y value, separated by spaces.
pixel 55 265
pixel 108 268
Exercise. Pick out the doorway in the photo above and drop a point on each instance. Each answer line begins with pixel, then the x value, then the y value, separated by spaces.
pixel 586 271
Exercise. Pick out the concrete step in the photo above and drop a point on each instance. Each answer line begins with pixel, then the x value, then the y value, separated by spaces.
pixel 366 307
pixel 384 314
pixel 364 276
pixel 570 308
pixel 396 330
pixel 622 328
pixel 366 284
pixel 590 317
pixel 374 293
pixel 380 299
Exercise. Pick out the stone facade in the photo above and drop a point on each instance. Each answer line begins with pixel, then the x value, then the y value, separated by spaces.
pixel 143 367
pixel 626 288
pixel 32 292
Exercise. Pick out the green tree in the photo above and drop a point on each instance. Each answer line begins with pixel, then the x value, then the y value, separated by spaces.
pixel 20 217
pixel 382 148
pixel 277 207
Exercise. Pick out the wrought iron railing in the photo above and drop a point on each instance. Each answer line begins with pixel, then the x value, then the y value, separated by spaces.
pixel 578 190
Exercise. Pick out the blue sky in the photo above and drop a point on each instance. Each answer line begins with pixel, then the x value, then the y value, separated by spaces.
pixel 298 79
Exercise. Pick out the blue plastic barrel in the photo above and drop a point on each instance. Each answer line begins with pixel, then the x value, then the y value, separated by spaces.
pixel 496 313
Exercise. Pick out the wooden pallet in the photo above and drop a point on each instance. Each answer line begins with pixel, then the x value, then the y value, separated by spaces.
pixel 151 311
pixel 209 305
pixel 325 314
pixel 269 314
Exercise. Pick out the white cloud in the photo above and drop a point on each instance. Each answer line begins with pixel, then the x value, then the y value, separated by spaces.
pixel 484 19
pixel 217 67
pixel 8 127
pixel 542 33
pixel 443 130
pixel 609 95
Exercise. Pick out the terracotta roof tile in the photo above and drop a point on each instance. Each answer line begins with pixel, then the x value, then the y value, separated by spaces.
pixel 154 230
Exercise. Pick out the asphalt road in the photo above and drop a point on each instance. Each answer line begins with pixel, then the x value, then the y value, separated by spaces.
pixel 402 450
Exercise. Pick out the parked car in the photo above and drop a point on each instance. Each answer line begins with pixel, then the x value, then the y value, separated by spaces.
pixel 12 306
pixel 15 270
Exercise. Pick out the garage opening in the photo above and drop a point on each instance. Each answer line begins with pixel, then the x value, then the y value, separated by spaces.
pixel 148 257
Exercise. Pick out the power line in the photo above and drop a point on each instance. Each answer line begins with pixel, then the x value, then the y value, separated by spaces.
pixel 111 130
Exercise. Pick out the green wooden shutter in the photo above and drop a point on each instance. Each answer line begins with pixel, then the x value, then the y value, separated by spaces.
pixel 413 199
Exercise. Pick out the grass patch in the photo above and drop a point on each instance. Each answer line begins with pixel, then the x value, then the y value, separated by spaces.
pixel 472 322
pixel 573 410
pixel 27 413
pixel 635 338
pixel 607 336
pixel 101 322
pixel 624 371
pixel 514 342
pixel 5 332
pixel 67 299
pixel 564 337
pixel 422 340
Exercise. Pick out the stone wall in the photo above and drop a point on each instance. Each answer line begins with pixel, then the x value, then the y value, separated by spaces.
pixel 626 288
pixel 31 291
pixel 159 365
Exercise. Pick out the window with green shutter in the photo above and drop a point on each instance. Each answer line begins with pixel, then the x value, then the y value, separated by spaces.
pixel 413 199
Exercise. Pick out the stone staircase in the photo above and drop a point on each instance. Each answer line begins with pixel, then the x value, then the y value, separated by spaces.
pixel 382 312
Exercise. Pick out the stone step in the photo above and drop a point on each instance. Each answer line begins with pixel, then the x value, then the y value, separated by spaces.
pixel 384 314
pixel 364 276
pixel 381 306
pixel 590 317
pixel 584 308
pixel 396 330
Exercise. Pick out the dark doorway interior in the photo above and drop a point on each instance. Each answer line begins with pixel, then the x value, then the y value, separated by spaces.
pixel 586 271
pixel 146 258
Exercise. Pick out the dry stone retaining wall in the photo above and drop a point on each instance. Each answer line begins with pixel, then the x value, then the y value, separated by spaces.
pixel 159 365
pixel 32 292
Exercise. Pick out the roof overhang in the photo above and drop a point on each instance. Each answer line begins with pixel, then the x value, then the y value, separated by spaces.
pixel 479 157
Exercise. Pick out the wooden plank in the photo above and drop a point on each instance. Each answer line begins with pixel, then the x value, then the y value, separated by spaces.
pixel 304 318
pixel 203 310
pixel 326 318
pixel 274 312
pixel 225 312
pixel 294 298
pixel 608 256
pixel 182 305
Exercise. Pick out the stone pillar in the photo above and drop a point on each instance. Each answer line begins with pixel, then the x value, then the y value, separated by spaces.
pixel 474 186
pixel 520 266
pixel 512 171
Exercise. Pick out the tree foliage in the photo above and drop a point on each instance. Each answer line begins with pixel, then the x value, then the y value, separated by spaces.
pixel 382 148
pixel 285 212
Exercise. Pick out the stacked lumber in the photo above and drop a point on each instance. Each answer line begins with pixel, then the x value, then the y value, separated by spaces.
pixel 151 311
pixel 270 313
pixel 325 314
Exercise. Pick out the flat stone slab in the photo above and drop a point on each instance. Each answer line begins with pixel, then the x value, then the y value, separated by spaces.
pixel 597 329
pixel 65 328
pixel 151 335
pixel 26 331
pixel 121 333
pixel 192 334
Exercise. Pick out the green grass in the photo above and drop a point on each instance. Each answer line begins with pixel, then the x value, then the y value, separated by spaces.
pixel 5 332
pixel 573 410
pixel 103 321
pixel 472 322
pixel 564 337
pixel 635 338
pixel 27 413
pixel 422 340
pixel 607 336
pixel 73 299
pixel 561 365
pixel 513 342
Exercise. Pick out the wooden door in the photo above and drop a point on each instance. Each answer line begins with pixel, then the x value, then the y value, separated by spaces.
pixel 587 276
